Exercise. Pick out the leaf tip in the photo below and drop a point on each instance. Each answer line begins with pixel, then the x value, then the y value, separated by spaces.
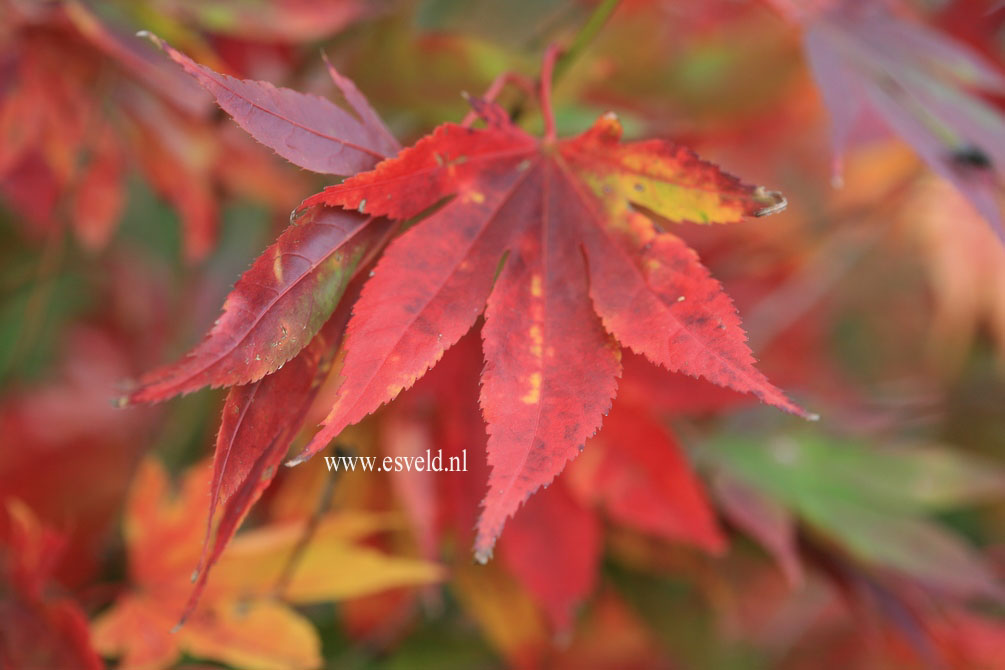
pixel 147 35
pixel 773 201
pixel 295 461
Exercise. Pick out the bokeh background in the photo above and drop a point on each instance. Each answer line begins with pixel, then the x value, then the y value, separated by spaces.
pixel 129 204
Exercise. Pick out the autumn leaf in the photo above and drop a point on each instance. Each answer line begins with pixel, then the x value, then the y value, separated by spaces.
pixel 921 83
pixel 240 620
pixel 306 130
pixel 554 316
pixel 259 422
pixel 277 306
pixel 553 546
pixel 540 205
pixel 639 475
pixel 290 291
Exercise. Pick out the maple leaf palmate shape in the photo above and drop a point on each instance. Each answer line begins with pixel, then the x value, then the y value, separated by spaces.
pixel 546 237
pixel 582 270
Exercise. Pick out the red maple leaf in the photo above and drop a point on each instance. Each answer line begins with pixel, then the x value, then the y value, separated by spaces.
pixel 581 266
pixel 555 241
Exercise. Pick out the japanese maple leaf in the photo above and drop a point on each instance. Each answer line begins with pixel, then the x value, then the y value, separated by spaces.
pixel 553 322
pixel 921 83
pixel 568 226
pixel 240 621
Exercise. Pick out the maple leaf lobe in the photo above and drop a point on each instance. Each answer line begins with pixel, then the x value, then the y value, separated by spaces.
pixel 276 307
pixel 307 130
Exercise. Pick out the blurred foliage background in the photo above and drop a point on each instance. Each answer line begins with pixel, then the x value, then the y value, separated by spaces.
pixel 129 204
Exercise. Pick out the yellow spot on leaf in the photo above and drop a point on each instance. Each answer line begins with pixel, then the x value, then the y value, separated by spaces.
pixel 533 395
pixel 277 266
pixel 536 341
pixel 535 286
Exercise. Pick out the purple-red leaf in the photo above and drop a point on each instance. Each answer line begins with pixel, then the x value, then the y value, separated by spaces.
pixel 259 422
pixel 921 84
pixel 763 519
pixel 277 306
pixel 307 130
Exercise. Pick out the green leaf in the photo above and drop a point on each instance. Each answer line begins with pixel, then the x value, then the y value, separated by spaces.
pixel 873 501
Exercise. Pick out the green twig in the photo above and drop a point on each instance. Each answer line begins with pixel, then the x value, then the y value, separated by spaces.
pixel 309 531
pixel 584 37
pixel 582 40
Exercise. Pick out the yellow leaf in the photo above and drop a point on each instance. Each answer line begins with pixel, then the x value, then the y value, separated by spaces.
pixel 507 615
pixel 262 635
pixel 332 567
pixel 239 620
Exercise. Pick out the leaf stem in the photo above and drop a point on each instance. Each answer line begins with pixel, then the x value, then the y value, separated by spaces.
pixel 585 36
pixel 551 55
pixel 308 533
pixel 495 88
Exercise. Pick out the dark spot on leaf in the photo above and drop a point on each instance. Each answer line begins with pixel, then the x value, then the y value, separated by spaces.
pixel 971 157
